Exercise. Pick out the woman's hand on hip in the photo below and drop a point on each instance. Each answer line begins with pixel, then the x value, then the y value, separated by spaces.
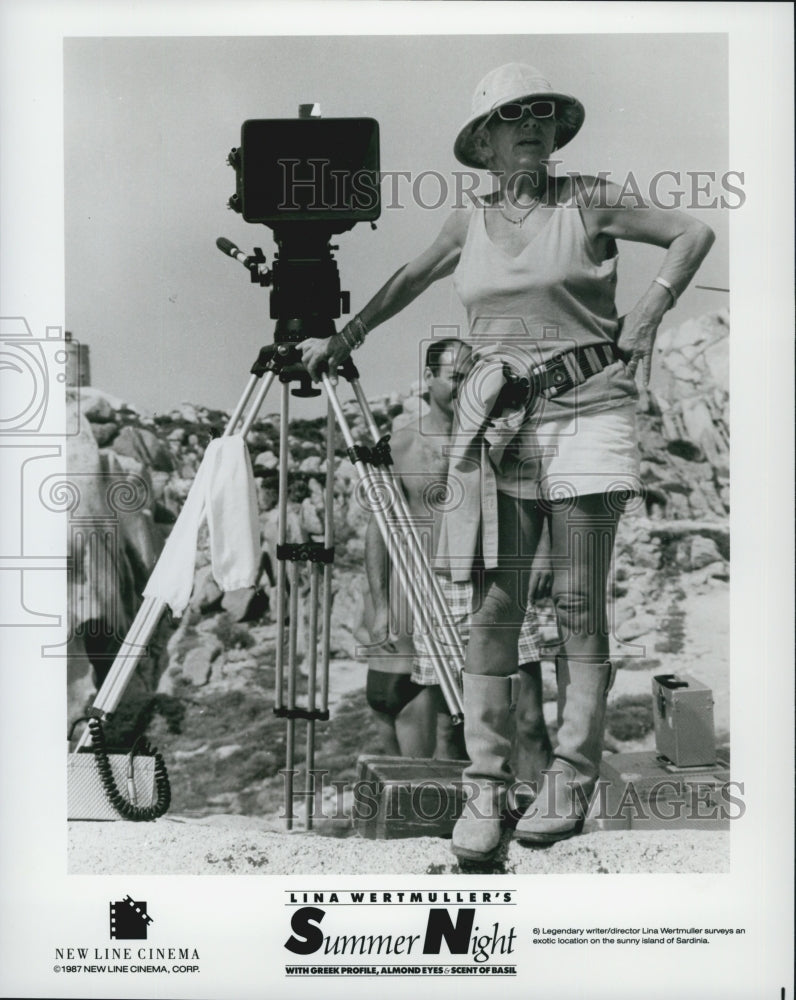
pixel 636 344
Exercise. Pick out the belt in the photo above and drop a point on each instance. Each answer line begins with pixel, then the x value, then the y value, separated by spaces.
pixel 561 373
pixel 489 416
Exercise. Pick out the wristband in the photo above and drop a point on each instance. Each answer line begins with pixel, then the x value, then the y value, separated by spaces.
pixel 361 329
pixel 353 333
pixel 672 293
pixel 342 335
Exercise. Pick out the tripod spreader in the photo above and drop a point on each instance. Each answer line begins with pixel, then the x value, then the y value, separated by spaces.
pixel 379 454
pixel 284 361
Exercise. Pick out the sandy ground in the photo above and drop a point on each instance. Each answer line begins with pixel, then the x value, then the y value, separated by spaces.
pixel 245 845
pixel 238 845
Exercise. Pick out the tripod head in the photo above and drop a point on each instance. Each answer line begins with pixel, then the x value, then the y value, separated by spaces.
pixel 308 179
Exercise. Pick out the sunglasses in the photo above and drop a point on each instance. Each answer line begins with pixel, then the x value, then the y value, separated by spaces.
pixel 514 111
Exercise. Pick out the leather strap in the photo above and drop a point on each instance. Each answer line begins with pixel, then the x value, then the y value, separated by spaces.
pixel 570 368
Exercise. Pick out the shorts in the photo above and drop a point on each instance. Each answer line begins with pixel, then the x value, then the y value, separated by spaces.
pixel 573 455
pixel 538 636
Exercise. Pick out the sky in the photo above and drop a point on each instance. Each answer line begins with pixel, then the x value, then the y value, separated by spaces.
pixel 148 123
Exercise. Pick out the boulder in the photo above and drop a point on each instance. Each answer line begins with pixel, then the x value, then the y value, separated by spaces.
pixel 96 405
pixel 207 594
pixel 144 446
pixel 198 663
pixel 248 604
pixel 702 552
pixel 266 460
pixel 104 433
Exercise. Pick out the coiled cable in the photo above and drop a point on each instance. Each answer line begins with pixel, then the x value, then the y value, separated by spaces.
pixel 129 810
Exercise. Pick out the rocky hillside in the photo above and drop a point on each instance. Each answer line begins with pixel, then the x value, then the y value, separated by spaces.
pixel 205 691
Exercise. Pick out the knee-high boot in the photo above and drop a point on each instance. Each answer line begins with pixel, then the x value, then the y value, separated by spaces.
pixel 533 751
pixel 487 737
pixel 561 805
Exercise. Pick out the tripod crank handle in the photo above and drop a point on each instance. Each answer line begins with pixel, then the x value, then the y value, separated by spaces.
pixel 251 262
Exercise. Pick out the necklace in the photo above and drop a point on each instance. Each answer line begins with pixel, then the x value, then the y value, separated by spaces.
pixel 520 221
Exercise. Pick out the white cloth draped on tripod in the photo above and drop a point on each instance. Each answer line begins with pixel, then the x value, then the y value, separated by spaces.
pixel 224 493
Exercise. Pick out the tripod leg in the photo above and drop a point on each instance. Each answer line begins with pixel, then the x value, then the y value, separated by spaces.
pixel 422 570
pixel 312 666
pixel 290 741
pixel 259 399
pixel 132 650
pixel 135 643
pixel 451 636
pixel 286 575
pixel 382 511
pixel 281 539
pixel 237 413
pixel 321 577
pixel 328 541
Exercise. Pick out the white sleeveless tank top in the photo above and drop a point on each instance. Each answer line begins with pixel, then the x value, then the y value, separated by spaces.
pixel 554 295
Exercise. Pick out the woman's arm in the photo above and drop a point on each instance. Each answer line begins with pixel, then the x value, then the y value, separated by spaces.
pixel 686 241
pixel 403 287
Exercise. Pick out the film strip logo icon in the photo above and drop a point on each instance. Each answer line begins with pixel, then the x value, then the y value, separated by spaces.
pixel 129 920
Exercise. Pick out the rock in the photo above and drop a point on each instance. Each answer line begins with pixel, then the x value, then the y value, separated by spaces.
pixel 207 594
pixel 266 460
pixel 104 433
pixel 189 754
pixel 718 570
pixel 247 604
pixel 161 514
pixel 175 491
pixel 96 405
pixel 702 552
pixel 415 407
pixel 259 440
pixel 160 483
pixel 347 611
pixel 96 408
pixel 235 669
pixel 700 428
pixel 311 517
pixel 186 412
pixel 144 446
pixel 198 662
pixel 683 448
pixel 640 624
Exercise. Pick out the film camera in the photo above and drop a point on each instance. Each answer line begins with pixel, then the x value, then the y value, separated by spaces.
pixel 307 179
pixel 308 170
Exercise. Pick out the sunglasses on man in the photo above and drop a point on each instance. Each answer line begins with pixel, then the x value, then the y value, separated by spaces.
pixel 513 111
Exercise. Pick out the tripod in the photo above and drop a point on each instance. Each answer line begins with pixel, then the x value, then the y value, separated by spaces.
pixel 383 495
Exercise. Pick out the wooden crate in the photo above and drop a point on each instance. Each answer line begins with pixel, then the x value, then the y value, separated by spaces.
pixel 407 797
pixel 642 791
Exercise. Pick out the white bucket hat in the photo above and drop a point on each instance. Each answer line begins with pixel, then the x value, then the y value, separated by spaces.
pixel 515 82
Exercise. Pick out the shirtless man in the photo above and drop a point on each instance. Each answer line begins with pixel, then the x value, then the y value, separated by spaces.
pixel 402 685
pixel 413 715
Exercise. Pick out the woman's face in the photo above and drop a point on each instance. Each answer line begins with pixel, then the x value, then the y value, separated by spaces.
pixel 519 145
